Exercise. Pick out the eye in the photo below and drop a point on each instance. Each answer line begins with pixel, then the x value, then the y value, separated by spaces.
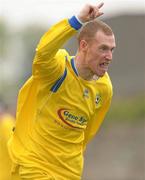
pixel 104 48
pixel 112 50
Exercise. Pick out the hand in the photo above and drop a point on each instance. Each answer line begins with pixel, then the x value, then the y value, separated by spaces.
pixel 90 12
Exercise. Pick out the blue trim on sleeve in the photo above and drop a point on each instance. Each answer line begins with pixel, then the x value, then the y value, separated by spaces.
pixel 58 83
pixel 75 23
pixel 73 66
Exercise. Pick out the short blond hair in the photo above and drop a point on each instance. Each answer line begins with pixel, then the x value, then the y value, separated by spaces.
pixel 89 30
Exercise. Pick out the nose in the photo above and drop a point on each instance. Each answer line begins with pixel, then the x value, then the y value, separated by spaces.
pixel 109 55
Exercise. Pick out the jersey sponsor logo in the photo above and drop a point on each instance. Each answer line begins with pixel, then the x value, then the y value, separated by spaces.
pixel 71 119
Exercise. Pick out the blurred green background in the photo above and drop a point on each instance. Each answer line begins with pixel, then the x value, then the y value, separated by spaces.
pixel 118 151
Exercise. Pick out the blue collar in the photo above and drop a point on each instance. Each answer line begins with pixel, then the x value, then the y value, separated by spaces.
pixel 74 67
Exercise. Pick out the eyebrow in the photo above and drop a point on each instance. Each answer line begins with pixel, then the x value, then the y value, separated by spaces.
pixel 106 46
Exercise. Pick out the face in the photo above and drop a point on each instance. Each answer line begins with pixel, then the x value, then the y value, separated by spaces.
pixel 99 52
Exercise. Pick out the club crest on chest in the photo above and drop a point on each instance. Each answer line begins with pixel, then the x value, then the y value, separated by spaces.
pixel 98 99
pixel 87 95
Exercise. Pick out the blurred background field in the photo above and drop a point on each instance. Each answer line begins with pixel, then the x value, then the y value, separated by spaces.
pixel 118 151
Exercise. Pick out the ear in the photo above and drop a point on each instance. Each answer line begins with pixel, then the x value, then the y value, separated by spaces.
pixel 83 45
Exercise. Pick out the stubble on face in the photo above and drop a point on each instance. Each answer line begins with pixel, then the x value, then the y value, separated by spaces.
pixel 100 51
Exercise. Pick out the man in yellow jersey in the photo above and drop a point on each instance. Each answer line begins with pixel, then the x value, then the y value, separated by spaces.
pixel 61 106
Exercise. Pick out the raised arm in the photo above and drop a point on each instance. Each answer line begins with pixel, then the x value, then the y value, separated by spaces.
pixel 55 38
pixel 61 32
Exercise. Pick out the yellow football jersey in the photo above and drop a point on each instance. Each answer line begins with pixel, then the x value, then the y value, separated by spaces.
pixel 58 112
pixel 6 126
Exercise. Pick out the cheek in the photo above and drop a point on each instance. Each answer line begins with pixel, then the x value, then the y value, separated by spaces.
pixel 94 57
pixel 93 64
pixel 95 54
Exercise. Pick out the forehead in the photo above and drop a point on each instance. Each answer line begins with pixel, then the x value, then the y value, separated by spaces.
pixel 102 38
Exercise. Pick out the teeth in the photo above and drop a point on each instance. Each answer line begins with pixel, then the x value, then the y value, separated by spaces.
pixel 105 64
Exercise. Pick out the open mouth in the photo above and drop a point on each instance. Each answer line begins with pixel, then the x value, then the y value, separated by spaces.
pixel 104 66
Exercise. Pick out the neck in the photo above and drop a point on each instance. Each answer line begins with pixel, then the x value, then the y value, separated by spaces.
pixel 83 70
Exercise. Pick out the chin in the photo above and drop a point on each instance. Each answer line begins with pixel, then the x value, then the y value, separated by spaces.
pixel 100 74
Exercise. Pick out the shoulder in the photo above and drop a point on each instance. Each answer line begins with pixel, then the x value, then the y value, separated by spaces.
pixel 105 80
pixel 63 57
pixel 106 84
pixel 61 54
